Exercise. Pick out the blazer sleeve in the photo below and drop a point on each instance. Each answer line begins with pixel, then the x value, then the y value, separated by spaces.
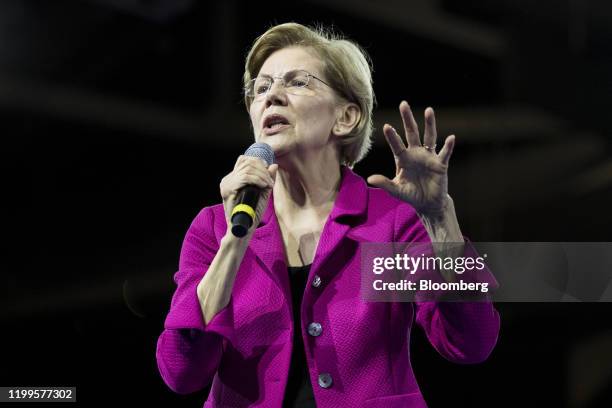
pixel 188 351
pixel 462 332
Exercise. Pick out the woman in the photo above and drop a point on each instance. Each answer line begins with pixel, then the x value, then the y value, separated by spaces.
pixel 275 318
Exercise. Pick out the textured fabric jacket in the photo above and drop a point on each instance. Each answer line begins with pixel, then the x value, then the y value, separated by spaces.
pixel 360 357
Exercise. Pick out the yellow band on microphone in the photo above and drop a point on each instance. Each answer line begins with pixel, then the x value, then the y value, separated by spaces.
pixel 245 208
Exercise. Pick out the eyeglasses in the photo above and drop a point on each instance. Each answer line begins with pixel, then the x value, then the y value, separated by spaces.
pixel 295 82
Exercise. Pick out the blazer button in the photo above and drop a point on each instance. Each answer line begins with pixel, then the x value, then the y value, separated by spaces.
pixel 325 380
pixel 316 282
pixel 315 329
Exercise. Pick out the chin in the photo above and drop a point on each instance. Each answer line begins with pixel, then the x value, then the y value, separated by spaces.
pixel 280 149
pixel 277 142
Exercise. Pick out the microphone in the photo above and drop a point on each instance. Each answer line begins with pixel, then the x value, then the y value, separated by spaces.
pixel 243 214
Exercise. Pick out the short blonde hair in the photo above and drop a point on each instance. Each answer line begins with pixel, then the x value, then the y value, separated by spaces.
pixel 347 68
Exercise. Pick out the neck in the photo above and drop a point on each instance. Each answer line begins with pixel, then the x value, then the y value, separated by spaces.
pixel 306 183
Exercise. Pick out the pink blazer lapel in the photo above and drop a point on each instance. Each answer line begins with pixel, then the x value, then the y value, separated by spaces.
pixel 267 243
pixel 350 204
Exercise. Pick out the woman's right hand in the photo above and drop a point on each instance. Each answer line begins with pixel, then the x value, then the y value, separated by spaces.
pixel 247 170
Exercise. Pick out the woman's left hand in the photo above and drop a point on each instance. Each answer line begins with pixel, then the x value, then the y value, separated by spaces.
pixel 421 174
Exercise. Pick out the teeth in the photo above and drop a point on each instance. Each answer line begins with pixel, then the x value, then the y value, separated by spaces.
pixel 277 122
pixel 273 124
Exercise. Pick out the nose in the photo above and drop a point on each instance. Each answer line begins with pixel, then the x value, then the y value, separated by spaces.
pixel 276 95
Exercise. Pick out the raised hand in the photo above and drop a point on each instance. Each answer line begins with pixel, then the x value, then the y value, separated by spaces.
pixel 421 174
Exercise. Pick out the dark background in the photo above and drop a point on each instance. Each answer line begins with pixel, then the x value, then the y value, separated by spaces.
pixel 119 119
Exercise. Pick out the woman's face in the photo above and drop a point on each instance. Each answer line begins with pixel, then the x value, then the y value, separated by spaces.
pixel 310 115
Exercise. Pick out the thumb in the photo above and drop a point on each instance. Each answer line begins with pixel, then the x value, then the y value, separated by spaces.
pixel 272 170
pixel 378 180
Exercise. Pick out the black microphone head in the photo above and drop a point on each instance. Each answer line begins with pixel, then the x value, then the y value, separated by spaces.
pixel 261 150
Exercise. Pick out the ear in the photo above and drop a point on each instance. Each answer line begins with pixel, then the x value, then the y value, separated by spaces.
pixel 347 117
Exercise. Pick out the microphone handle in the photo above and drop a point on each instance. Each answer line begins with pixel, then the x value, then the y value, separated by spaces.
pixel 243 214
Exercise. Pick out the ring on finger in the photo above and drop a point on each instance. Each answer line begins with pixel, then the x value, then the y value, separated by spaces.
pixel 431 149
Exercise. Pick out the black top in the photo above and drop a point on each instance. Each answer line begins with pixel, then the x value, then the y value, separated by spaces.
pixel 299 389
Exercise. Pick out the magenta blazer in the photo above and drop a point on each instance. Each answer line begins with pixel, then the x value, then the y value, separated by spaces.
pixel 361 355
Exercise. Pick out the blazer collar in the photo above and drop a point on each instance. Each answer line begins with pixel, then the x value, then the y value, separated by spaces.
pixel 350 204
pixel 352 196
pixel 350 201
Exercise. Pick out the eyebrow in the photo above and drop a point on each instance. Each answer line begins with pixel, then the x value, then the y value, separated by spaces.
pixel 286 72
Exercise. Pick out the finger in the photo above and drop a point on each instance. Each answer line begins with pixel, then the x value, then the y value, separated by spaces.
pixel 394 140
pixel 381 181
pixel 447 150
pixel 430 136
pixel 239 161
pixel 253 165
pixel 255 180
pixel 410 126
pixel 256 161
pixel 263 174
pixel 256 168
pixel 272 171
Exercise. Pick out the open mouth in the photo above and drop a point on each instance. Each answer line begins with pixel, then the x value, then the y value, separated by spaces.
pixel 274 122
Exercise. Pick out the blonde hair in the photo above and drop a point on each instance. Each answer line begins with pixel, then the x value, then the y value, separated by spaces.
pixel 347 68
